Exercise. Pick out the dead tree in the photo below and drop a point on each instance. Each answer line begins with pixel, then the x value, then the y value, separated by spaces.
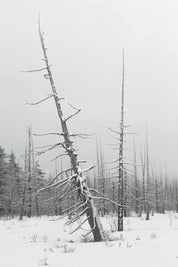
pixel 29 173
pixel 125 194
pixel 136 189
pixel 101 175
pixel 22 209
pixel 120 160
pixel 121 163
pixel 77 178
pixel 147 181
pixel 143 197
pixel 156 195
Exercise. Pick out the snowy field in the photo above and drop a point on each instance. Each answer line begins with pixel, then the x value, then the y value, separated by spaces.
pixel 47 242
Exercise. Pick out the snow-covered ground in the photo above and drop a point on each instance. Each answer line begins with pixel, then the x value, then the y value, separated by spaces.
pixel 46 241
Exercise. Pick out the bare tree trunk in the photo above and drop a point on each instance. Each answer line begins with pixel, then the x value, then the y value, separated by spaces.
pixel 125 194
pixel 148 182
pixel 162 197
pixel 142 206
pixel 113 196
pixel 35 177
pixel 101 174
pixel 156 196
pixel 136 183
pixel 29 211
pixel 24 188
pixel 80 180
pixel 121 165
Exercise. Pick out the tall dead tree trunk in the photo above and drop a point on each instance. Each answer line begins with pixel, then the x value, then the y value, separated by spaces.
pixel 101 175
pixel 125 194
pixel 78 177
pixel 35 178
pixel 121 167
pixel 156 195
pixel 147 182
pixel 29 210
pixel 142 206
pixel 24 187
pixel 136 193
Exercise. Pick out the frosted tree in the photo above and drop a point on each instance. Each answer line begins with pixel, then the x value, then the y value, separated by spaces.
pixel 13 186
pixel 75 176
pixel 120 160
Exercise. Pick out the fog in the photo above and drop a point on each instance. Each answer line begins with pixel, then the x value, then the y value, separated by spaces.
pixel 85 40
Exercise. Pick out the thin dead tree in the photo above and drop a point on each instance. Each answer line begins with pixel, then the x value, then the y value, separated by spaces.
pixel 136 189
pixel 29 173
pixel 22 209
pixel 143 193
pixel 147 181
pixel 121 158
pixel 125 193
pixel 101 175
pixel 34 175
pixel 77 177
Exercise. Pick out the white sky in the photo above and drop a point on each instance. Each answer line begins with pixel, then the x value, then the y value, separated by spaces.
pixel 85 40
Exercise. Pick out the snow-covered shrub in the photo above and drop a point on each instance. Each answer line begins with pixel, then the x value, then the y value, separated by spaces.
pixel 86 239
pixel 113 225
pixel 129 245
pixel 67 249
pixel 153 236
pixel 43 261
pixel 121 237
pixel 51 249
pixel 44 238
pixel 111 237
pixel 58 245
pixel 108 244
pixel 34 238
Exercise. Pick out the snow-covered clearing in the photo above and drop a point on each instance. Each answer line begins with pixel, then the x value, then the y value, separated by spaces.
pixel 46 241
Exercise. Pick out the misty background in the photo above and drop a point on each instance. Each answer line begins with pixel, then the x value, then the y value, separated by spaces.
pixel 85 40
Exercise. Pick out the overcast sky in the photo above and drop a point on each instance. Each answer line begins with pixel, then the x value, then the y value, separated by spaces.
pixel 85 40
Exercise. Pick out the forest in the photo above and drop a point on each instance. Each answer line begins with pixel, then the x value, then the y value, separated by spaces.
pixel 121 190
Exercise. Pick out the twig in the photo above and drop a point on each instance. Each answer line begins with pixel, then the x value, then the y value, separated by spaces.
pixel 36 103
pixel 78 227
pixel 103 197
pixel 27 71
pixel 73 115
pixel 88 169
pixel 62 155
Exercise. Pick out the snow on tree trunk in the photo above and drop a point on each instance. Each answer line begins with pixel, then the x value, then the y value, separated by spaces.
pixel 80 180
